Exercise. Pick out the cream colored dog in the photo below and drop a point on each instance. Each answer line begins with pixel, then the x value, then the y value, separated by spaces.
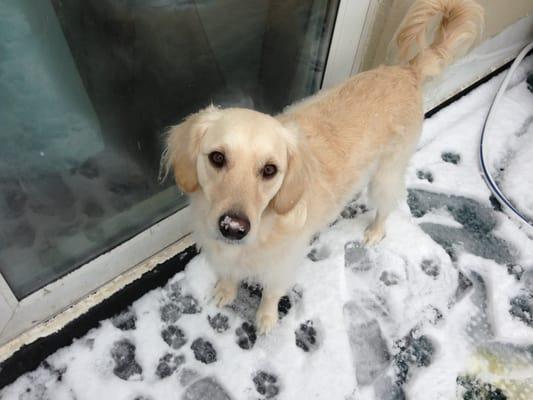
pixel 261 186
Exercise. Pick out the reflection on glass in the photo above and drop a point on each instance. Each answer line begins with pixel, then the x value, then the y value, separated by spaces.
pixel 87 88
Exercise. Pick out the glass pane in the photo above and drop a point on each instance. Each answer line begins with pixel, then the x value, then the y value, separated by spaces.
pixel 87 88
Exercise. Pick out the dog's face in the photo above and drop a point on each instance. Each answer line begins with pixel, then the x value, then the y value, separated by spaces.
pixel 241 162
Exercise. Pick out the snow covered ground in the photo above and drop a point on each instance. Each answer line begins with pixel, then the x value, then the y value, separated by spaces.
pixel 441 309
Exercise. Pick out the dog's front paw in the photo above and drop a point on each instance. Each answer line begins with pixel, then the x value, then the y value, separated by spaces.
pixel 374 233
pixel 224 293
pixel 265 321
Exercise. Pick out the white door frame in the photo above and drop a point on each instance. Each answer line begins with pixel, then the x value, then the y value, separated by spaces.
pixel 8 303
pixel 352 26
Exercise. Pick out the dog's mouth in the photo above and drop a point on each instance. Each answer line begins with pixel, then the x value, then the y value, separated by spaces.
pixel 230 242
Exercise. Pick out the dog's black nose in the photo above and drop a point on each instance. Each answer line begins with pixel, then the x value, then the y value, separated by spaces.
pixel 234 226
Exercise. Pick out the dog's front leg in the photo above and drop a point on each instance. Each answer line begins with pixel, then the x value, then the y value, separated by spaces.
pixel 225 292
pixel 267 313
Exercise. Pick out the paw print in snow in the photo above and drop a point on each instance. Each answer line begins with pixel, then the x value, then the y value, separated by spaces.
pixel 306 336
pixel 266 384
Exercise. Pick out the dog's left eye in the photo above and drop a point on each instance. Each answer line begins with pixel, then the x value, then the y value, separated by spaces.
pixel 269 171
pixel 217 159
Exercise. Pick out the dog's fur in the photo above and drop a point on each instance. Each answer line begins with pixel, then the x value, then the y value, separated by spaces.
pixel 326 149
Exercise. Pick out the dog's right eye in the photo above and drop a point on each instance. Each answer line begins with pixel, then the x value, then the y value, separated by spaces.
pixel 217 159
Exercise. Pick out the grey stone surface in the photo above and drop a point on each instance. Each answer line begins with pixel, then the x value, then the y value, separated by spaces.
pixel 375 304
pixel 370 353
pixel 187 376
pixel 204 351
pixel 464 285
pixel 473 215
pixel 487 245
pixel 123 353
pixel 479 327
pixel 527 279
pixel 205 389
pixel 174 337
pixel 356 257
pixel 386 389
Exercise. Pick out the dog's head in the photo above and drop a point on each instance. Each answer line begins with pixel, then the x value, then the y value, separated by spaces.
pixel 242 162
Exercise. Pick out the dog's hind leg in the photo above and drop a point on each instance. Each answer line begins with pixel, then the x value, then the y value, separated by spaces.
pixel 387 188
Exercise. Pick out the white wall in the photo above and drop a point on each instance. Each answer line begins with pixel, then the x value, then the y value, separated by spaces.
pixel 508 28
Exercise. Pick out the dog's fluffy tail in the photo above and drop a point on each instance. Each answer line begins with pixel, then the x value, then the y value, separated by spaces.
pixel 461 22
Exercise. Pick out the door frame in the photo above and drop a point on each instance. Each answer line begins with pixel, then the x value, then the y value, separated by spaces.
pixel 353 26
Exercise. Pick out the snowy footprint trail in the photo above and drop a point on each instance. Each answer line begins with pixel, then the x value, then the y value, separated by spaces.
pixel 441 309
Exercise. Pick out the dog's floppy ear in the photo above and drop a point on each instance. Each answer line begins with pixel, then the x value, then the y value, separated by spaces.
pixel 183 146
pixel 295 179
